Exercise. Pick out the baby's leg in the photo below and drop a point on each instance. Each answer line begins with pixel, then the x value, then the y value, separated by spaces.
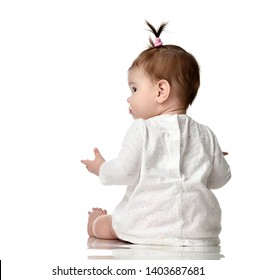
pixel 100 224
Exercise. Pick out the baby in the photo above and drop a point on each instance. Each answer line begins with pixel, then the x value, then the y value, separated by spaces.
pixel 168 161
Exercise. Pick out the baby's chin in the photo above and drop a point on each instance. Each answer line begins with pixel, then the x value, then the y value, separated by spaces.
pixel 132 114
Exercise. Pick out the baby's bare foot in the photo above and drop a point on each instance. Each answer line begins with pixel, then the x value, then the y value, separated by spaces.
pixel 96 212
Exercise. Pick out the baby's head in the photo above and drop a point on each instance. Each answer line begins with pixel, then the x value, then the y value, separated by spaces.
pixel 168 73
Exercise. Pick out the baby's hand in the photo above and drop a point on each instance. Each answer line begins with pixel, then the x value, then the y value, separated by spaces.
pixel 93 166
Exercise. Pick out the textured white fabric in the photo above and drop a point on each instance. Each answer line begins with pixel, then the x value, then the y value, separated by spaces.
pixel 169 164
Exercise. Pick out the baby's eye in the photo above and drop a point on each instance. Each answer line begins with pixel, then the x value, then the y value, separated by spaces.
pixel 134 89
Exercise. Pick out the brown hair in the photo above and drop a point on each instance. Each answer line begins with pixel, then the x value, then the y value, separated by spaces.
pixel 173 64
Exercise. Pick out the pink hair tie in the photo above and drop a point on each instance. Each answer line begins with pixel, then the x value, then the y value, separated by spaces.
pixel 158 42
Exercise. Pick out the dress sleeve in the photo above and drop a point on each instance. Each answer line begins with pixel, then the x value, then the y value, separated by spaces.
pixel 125 169
pixel 220 173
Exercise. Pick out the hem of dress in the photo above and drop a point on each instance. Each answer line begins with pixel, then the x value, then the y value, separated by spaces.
pixel 199 242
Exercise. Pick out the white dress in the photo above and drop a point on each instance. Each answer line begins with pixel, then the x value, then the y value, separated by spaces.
pixel 169 164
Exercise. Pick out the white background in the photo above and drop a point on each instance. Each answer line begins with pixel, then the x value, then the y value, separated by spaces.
pixel 63 91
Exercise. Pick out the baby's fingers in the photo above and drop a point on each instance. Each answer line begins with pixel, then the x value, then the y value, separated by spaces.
pixel 97 154
pixel 85 161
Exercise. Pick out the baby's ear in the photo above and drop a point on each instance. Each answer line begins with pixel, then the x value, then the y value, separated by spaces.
pixel 163 91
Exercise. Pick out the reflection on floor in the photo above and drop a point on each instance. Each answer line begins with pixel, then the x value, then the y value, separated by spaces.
pixel 119 250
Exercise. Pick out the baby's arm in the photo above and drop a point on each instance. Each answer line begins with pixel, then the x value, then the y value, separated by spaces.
pixel 220 173
pixel 124 169
pixel 93 166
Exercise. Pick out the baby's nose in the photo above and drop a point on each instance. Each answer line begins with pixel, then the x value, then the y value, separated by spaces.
pixel 128 99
